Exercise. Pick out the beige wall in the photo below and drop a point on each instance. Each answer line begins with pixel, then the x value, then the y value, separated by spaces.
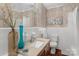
pixel 2 23
pixel 42 14
pixel 60 12
pixel 40 18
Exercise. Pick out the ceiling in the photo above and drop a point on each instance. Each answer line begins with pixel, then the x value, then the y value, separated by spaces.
pixel 53 5
pixel 22 6
pixel 27 6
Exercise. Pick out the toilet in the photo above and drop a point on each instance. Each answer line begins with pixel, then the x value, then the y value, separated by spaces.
pixel 74 51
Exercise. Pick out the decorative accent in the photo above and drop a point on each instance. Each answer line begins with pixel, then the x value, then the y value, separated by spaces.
pixel 21 42
pixel 12 43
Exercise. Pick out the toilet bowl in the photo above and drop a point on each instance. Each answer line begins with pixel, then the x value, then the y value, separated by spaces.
pixel 74 51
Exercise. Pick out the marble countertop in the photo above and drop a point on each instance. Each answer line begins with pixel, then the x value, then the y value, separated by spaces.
pixel 32 51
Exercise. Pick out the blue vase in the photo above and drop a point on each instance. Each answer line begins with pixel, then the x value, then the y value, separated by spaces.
pixel 21 42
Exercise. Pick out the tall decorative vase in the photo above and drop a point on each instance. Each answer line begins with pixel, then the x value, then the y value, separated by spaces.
pixel 12 43
pixel 21 42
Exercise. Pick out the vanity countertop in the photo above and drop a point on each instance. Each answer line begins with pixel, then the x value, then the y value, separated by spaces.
pixel 32 51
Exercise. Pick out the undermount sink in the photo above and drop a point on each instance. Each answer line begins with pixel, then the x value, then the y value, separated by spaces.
pixel 37 44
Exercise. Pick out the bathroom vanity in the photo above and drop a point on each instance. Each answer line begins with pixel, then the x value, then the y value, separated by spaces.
pixel 40 47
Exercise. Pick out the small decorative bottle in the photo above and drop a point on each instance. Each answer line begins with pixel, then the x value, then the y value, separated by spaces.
pixel 21 42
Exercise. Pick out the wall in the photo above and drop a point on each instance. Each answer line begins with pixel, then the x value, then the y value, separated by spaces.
pixel 60 12
pixel 68 34
pixel 3 41
pixel 40 18
pixel 77 21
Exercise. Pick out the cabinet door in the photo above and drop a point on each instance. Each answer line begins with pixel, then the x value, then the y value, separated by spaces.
pixel 47 50
pixel 42 53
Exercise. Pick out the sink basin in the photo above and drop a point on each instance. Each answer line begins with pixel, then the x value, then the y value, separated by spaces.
pixel 37 44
